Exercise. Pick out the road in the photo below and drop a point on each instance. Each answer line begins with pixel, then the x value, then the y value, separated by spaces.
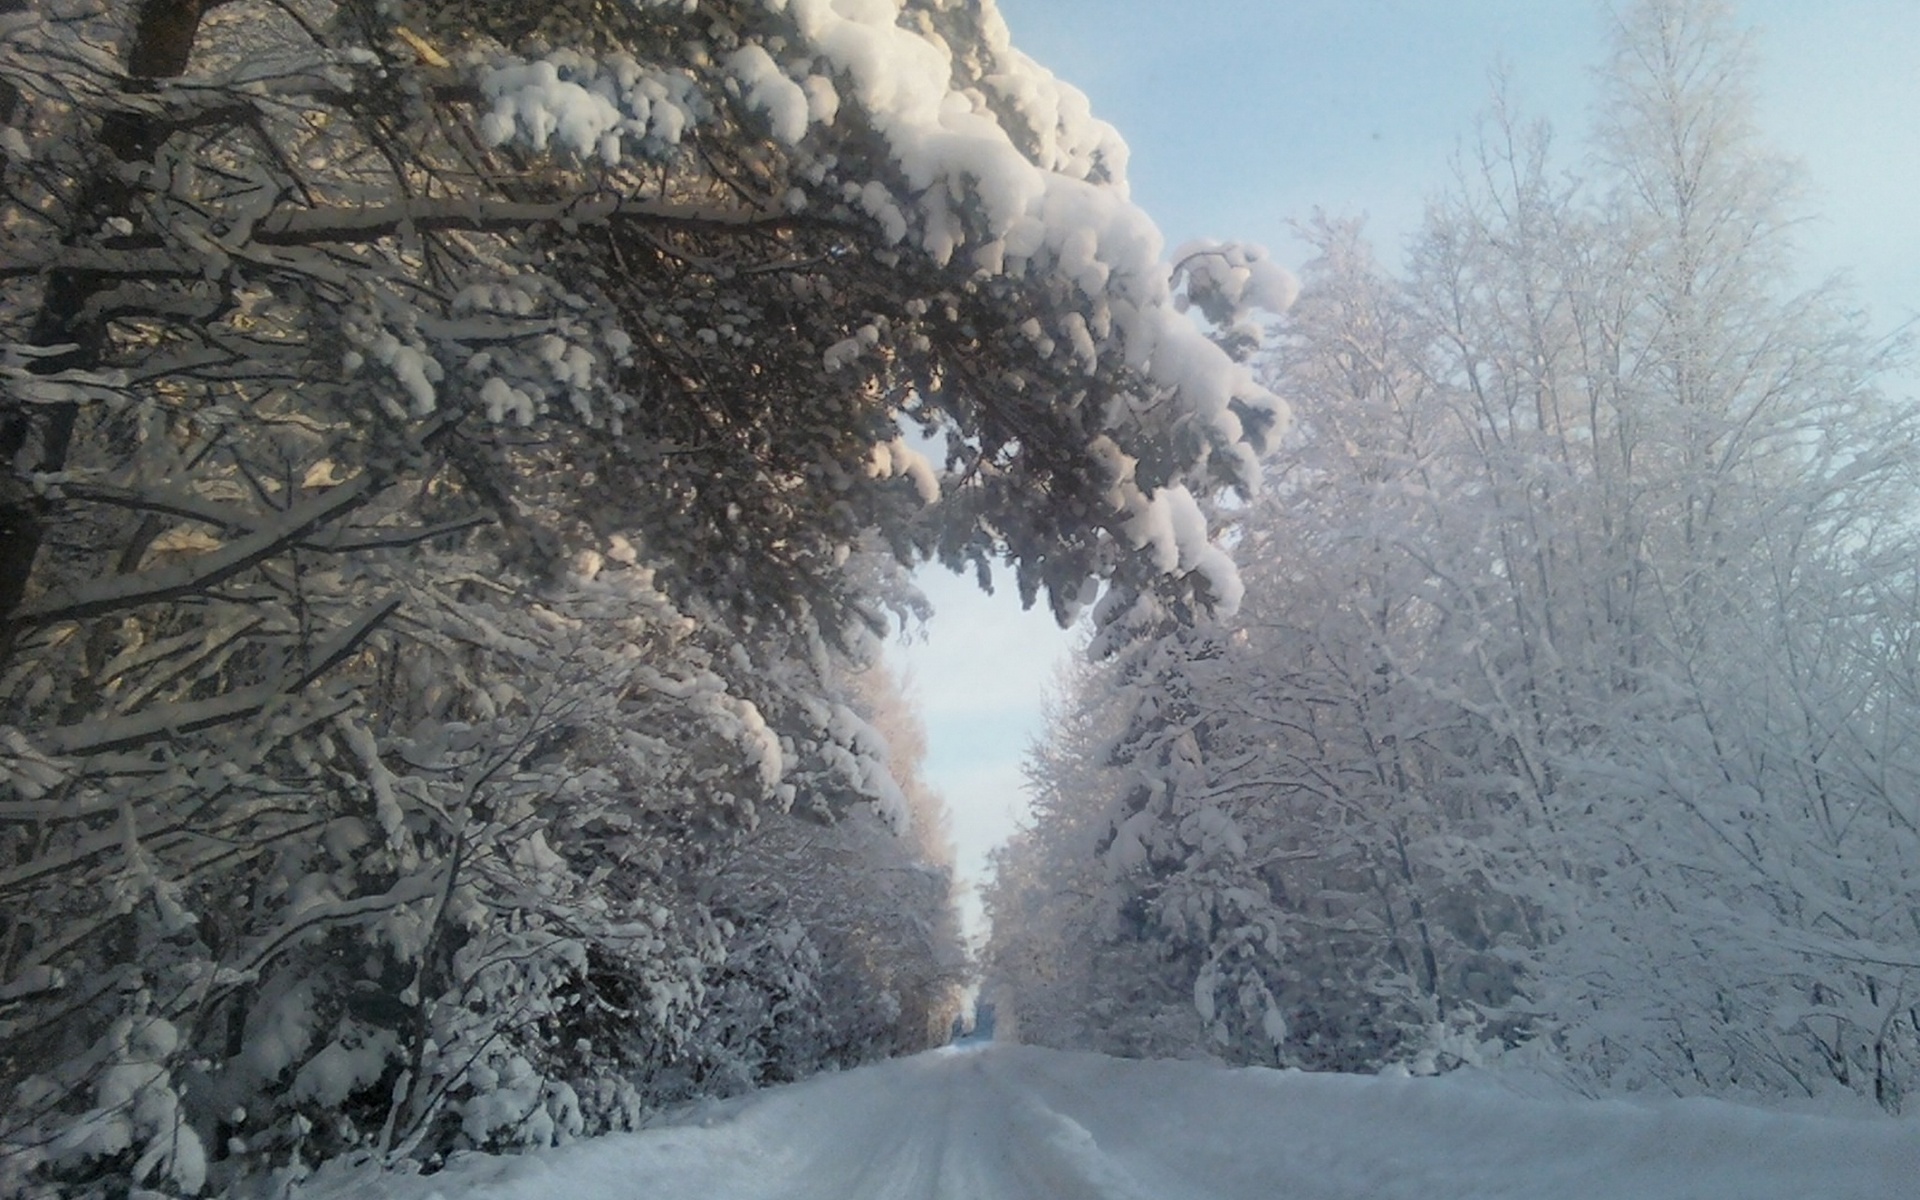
pixel 1006 1122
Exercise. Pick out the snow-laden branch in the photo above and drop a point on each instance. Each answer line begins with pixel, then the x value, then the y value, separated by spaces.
pixel 344 540
pixel 167 721
pixel 409 890
pixel 161 721
pixel 314 226
pixel 119 592
pixel 153 257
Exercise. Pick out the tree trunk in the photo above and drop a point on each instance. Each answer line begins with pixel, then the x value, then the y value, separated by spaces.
pixel 36 438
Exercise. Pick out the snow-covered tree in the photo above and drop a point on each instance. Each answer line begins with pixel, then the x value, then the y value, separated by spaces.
pixel 1743 482
pixel 455 453
pixel 1067 965
pixel 850 916
pixel 1569 684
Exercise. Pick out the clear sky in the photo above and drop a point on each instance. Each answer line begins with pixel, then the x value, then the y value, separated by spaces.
pixel 1244 114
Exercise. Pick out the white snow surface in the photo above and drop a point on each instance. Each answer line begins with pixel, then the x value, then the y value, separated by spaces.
pixel 1004 1121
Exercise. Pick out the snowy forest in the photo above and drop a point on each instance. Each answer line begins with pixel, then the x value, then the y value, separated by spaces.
pixel 1572 716
pixel 465 461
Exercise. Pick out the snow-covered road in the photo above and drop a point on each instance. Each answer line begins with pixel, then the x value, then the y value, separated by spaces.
pixel 999 1122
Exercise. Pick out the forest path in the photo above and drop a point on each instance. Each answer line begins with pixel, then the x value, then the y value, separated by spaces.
pixel 1004 1122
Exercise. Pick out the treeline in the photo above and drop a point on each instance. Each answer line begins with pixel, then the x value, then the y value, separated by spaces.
pixel 455 489
pixel 1574 708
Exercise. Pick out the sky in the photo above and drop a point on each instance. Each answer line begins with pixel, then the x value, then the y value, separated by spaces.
pixel 1245 114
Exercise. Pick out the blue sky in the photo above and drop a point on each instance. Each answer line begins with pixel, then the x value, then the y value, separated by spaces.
pixel 1243 114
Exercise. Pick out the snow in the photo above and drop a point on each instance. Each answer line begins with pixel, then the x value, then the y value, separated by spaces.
pixel 587 106
pixel 413 367
pixel 1174 530
pixel 343 1067
pixel 767 89
pixel 1014 1121
pixel 504 400
pixel 1050 183
pixel 1227 279
pixel 137 1106
pixel 896 458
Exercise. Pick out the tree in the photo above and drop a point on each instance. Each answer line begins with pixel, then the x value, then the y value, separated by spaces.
pixel 1571 666
pixel 1065 966
pixel 1688 461
pixel 1298 870
pixel 454 452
